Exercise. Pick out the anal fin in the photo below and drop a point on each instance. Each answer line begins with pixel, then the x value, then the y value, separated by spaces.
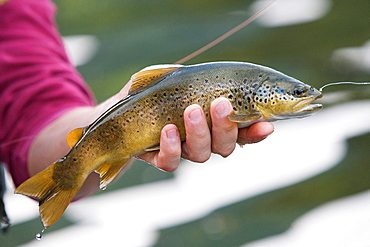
pixel 108 171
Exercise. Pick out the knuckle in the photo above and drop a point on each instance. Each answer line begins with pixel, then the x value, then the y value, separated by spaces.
pixel 201 158
pixel 224 151
pixel 198 157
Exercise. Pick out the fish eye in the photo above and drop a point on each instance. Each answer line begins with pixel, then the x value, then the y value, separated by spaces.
pixel 299 91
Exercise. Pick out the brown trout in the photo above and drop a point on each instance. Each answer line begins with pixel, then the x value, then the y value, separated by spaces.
pixel 159 96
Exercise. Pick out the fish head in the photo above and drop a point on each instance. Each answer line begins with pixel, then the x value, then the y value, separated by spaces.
pixel 279 98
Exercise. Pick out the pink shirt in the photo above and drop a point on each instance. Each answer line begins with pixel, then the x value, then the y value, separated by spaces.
pixel 37 81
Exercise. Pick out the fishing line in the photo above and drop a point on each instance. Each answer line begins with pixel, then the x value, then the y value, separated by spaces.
pixel 343 83
pixel 227 34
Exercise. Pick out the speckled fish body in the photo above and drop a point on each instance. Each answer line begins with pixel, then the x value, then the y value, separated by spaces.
pixel 159 96
pixel 257 93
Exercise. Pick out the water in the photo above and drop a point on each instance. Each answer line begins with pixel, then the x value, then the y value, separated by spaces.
pixel 39 235
pixel 167 31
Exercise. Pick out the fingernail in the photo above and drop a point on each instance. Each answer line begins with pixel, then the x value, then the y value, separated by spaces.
pixel 172 136
pixel 223 109
pixel 195 116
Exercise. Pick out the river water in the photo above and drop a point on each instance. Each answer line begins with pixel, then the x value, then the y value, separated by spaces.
pixel 305 185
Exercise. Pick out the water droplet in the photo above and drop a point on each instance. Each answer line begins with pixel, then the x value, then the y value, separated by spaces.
pixel 39 235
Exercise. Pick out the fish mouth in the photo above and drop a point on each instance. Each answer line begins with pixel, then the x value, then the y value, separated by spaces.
pixel 303 108
pixel 308 109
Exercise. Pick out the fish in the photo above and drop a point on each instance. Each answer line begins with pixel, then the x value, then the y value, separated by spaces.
pixel 158 96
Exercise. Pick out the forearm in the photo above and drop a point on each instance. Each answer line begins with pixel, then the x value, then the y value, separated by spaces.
pixel 50 144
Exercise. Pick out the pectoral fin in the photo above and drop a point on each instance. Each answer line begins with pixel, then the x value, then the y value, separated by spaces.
pixel 149 75
pixel 245 120
pixel 152 149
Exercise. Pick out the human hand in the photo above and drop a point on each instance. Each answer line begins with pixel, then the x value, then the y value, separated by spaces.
pixel 200 141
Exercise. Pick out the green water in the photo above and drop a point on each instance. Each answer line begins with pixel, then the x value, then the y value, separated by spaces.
pixel 135 34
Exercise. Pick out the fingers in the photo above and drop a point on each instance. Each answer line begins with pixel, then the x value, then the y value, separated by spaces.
pixel 224 132
pixel 168 158
pixel 199 144
pixel 197 147
pixel 170 152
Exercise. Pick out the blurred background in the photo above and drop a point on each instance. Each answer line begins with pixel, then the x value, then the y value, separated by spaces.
pixel 306 185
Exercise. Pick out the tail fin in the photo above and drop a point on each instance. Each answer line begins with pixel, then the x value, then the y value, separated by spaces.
pixel 53 200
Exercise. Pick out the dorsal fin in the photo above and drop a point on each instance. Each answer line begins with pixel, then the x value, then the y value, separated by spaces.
pixel 74 136
pixel 150 74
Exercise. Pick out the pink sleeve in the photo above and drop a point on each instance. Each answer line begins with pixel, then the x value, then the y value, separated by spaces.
pixel 37 81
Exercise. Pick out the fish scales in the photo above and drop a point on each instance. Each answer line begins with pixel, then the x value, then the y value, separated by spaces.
pixel 159 96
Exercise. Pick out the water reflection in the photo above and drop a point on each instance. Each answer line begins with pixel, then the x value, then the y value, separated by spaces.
pixel 291 12
pixel 348 60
